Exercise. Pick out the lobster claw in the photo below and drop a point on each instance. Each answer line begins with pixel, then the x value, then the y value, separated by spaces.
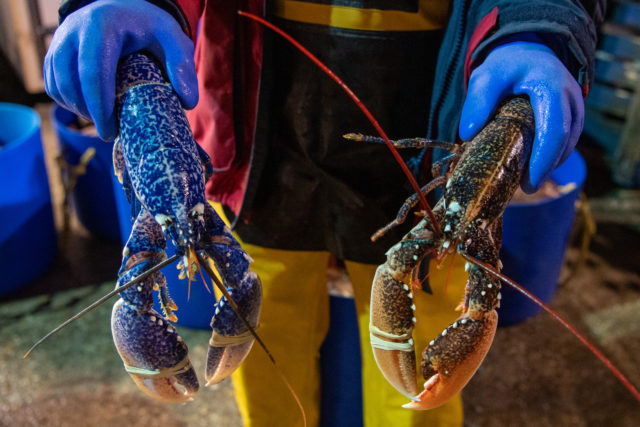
pixel 392 319
pixel 231 340
pixel 153 353
pixel 452 358
pixel 390 331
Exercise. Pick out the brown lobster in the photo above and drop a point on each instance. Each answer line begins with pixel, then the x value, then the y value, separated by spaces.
pixel 485 173
pixel 483 180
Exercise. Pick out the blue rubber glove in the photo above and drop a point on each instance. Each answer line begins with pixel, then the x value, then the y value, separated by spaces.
pixel 532 69
pixel 80 66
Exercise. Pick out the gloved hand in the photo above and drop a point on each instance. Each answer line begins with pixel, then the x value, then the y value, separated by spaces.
pixel 80 66
pixel 532 69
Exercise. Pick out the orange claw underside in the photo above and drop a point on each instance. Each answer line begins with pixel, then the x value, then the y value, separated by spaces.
pixel 164 389
pixel 439 388
pixel 398 368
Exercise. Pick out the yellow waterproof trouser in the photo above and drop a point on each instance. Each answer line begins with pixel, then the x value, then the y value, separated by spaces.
pixel 293 323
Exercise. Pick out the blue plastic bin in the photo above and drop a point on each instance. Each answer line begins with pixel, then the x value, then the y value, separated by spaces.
pixel 534 242
pixel 27 231
pixel 92 198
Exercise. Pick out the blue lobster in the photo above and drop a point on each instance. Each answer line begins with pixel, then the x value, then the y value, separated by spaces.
pixel 163 172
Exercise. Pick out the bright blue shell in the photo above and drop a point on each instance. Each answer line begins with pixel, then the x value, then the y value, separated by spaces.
pixel 162 160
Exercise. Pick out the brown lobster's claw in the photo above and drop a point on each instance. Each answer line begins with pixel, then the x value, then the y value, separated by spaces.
pixel 451 359
pixel 390 331
pixel 398 367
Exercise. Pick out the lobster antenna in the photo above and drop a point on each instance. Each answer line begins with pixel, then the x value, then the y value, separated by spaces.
pixel 204 264
pixel 359 103
pixel 102 300
pixel 489 269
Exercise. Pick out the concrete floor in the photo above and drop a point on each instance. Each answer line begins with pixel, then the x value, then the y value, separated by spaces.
pixel 536 374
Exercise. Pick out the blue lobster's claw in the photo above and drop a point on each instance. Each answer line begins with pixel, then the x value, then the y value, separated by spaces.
pixel 153 353
pixel 230 340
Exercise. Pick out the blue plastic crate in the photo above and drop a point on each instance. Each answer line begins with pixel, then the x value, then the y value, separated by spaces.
pixel 534 241
pixel 27 231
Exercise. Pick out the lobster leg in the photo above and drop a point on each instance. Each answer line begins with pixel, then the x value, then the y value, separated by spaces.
pixel 437 166
pixel 230 340
pixel 453 357
pixel 406 207
pixel 152 351
pixel 405 142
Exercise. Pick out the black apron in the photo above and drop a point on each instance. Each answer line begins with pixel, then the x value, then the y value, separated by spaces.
pixel 310 189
